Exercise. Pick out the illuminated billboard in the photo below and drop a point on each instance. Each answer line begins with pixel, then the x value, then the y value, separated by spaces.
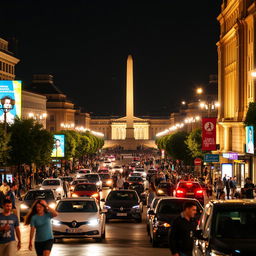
pixel 10 100
pixel 59 146
pixel 249 139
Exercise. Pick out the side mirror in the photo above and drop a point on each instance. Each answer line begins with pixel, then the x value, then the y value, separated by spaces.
pixel 103 200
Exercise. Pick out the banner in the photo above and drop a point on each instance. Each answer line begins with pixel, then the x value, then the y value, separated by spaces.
pixel 59 146
pixel 208 134
pixel 249 139
pixel 10 92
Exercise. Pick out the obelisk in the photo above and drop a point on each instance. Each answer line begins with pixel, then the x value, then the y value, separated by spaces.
pixel 129 99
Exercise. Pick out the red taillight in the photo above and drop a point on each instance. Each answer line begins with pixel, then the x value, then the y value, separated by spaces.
pixel 179 192
pixel 199 192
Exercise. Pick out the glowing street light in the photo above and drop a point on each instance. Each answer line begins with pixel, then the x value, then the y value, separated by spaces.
pixel 183 102
pixel 253 74
pixel 199 90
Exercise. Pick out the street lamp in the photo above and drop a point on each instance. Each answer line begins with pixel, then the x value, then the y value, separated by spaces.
pixel 199 90
pixel 183 102
pixel 7 104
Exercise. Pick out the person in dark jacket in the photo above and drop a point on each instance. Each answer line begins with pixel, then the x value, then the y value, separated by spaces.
pixel 181 234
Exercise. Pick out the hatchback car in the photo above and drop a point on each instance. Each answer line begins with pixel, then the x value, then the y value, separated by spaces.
pixel 54 184
pixel 87 190
pixel 94 178
pixel 106 179
pixel 189 189
pixel 166 211
pixel 165 189
pixel 227 228
pixel 79 218
pixel 36 194
pixel 123 204
pixel 80 173
pixel 75 182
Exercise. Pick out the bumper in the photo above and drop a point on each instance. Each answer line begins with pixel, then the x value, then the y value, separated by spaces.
pixel 121 215
pixel 88 234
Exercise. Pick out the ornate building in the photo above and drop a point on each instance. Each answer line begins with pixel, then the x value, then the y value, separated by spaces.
pixel 236 61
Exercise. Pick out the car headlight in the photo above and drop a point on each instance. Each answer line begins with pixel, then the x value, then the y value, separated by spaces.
pixel 78 175
pixel 162 224
pixel 95 195
pixel 58 189
pixel 23 207
pixel 107 207
pixel 74 195
pixel 216 253
pixel 52 205
pixel 160 191
pixel 41 188
pixel 93 222
pixel 144 174
pixel 109 182
pixel 136 207
pixel 98 183
pixel 56 222
pixel 72 187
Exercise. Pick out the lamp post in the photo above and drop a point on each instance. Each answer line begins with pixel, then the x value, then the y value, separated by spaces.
pixel 7 104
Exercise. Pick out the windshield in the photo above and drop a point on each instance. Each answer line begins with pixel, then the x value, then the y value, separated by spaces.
pixel 92 177
pixel 173 206
pixel 79 181
pixel 77 206
pixel 39 194
pixel 69 179
pixel 138 179
pixel 122 196
pixel 139 170
pixel 164 185
pixel 105 176
pixel 155 203
pixel 51 183
pixel 236 223
pixel 87 187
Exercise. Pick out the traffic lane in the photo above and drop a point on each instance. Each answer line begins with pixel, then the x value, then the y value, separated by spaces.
pixel 122 238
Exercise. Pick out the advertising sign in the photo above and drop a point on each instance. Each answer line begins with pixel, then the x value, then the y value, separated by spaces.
pixel 211 158
pixel 59 146
pixel 10 94
pixel 209 134
pixel 231 155
pixel 249 139
pixel 227 170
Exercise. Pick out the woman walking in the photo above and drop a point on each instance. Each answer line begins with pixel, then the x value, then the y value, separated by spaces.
pixel 39 219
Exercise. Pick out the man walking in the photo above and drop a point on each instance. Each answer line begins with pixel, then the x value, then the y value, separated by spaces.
pixel 9 225
pixel 181 234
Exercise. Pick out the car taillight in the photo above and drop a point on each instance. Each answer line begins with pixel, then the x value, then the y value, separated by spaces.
pixel 179 192
pixel 199 192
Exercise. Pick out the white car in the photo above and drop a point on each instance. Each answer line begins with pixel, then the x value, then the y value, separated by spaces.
pixel 117 168
pixel 79 218
pixel 107 164
pixel 80 173
pixel 56 185
pixel 140 171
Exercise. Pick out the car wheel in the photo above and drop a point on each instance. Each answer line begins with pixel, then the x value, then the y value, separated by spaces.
pixel 98 240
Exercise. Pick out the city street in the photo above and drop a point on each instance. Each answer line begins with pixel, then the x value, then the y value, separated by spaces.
pixel 122 238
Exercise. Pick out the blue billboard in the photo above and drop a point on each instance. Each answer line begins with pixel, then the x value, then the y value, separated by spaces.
pixel 249 139
pixel 59 146
pixel 10 96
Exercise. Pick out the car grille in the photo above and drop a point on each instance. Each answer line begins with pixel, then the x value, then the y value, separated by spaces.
pixel 78 224
pixel 121 210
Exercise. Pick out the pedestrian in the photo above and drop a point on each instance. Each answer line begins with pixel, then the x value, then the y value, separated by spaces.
pixel 39 219
pixel 232 185
pixel 249 188
pixel 152 194
pixel 5 187
pixel 227 185
pixel 9 225
pixel 120 182
pixel 181 235
pixel 219 187
pixel 11 196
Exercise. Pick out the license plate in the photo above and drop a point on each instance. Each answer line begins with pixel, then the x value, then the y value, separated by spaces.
pixel 120 214
pixel 73 230
pixel 190 194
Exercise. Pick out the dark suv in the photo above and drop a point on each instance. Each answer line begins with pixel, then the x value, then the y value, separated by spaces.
pixel 227 228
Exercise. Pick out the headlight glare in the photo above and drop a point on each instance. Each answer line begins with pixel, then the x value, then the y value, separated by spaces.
pixel 93 222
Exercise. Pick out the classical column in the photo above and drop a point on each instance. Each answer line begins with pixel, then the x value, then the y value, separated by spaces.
pixel 129 99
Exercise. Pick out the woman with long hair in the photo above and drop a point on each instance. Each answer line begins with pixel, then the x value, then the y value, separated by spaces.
pixel 39 219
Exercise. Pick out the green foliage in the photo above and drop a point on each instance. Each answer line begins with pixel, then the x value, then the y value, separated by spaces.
pixel 250 118
pixel 29 143
pixel 194 143
pixel 4 147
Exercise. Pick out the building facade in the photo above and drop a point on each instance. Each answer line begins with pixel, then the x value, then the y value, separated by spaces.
pixel 236 61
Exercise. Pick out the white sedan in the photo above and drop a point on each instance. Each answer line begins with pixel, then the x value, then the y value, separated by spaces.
pixel 79 218
pixel 56 185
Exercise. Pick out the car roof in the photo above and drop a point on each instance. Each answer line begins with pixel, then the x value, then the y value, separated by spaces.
pixel 33 190
pixel 233 202
pixel 51 179
pixel 78 199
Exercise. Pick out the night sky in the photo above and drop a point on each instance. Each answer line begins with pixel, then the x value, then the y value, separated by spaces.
pixel 84 44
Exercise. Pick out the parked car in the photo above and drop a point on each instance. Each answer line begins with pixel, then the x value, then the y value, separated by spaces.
pixel 54 184
pixel 35 194
pixel 227 228
pixel 79 218
pixel 123 204
pixel 166 211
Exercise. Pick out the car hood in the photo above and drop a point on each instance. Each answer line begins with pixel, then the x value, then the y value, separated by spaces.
pixel 235 246
pixel 51 187
pixel 78 217
pixel 30 202
pixel 117 204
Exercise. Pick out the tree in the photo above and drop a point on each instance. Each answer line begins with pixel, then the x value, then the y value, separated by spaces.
pixel 4 147
pixel 29 143
pixel 194 143
pixel 70 144
pixel 177 148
